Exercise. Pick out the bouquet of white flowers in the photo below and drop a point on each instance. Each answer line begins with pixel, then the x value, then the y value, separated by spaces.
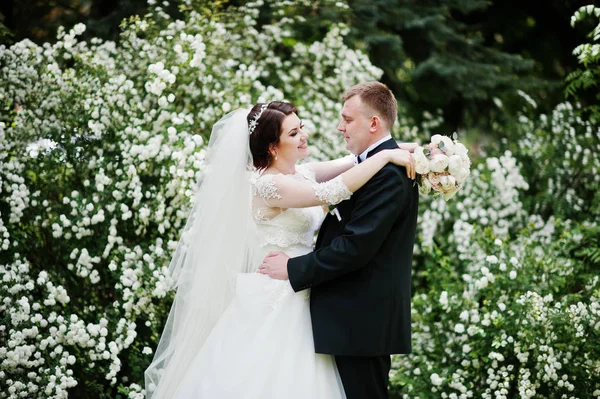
pixel 442 166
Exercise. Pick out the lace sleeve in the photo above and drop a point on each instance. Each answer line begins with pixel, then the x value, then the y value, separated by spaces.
pixel 297 191
pixel 265 188
pixel 332 192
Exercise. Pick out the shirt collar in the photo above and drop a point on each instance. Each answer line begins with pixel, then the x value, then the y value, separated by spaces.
pixel 364 154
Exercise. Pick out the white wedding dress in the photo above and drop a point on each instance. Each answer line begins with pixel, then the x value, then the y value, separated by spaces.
pixel 262 346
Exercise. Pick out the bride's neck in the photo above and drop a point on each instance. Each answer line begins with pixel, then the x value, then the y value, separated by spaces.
pixel 287 168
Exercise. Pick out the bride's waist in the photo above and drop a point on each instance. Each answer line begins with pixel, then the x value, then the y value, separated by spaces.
pixel 290 250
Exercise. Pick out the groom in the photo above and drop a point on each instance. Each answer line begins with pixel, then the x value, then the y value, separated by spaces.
pixel 360 271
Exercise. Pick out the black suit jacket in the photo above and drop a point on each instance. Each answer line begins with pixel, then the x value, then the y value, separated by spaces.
pixel 360 271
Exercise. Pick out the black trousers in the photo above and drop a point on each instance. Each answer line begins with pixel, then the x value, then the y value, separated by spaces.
pixel 364 377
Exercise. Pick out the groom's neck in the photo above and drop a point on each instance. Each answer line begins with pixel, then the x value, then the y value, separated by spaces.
pixel 375 139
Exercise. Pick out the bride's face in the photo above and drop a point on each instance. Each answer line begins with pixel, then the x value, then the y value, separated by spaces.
pixel 293 144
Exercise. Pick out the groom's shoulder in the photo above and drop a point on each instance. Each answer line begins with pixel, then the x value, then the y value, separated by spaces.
pixel 394 171
pixel 389 175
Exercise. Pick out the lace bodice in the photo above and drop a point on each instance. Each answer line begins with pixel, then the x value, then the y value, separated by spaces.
pixel 293 226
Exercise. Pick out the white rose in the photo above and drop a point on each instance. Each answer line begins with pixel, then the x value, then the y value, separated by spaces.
pixel 455 163
pixel 419 153
pixel 461 175
pixel 422 165
pixel 425 187
pixel 447 143
pixel 460 149
pixel 466 162
pixel 438 163
pixel 436 138
pixel 447 182
pixel 450 193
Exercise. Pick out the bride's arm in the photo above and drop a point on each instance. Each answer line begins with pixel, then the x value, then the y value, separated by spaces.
pixel 410 147
pixel 287 192
pixel 327 170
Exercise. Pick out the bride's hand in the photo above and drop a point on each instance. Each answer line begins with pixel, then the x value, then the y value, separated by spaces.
pixel 410 147
pixel 403 158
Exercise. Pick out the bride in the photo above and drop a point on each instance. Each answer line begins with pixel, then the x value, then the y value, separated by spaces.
pixel 232 332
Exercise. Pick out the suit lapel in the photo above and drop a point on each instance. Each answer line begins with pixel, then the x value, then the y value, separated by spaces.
pixel 386 145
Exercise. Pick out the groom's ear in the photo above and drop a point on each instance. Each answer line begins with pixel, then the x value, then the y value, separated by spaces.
pixel 375 124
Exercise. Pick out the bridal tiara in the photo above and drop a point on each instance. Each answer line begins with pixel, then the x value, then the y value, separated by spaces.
pixel 254 122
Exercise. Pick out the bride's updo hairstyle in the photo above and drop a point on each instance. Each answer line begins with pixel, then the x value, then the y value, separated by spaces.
pixel 266 130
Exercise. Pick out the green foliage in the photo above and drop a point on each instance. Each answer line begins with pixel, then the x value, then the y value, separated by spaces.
pixel 507 302
pixel 507 280
pixel 102 144
pixel 456 57
pixel 101 148
pixel 519 321
pixel 588 54
pixel 5 33
pixel 561 162
pixel 433 56
pixel 39 20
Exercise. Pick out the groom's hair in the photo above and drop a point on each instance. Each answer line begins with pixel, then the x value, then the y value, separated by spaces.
pixel 378 97
pixel 266 134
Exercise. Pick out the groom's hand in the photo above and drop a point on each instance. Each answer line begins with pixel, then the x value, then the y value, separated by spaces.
pixel 275 265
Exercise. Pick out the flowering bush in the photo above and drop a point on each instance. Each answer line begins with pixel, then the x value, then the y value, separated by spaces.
pixel 560 154
pixel 507 290
pixel 507 286
pixel 101 146
pixel 514 318
pixel 588 55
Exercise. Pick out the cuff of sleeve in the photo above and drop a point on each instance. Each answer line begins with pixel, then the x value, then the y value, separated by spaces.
pixel 294 277
pixel 332 192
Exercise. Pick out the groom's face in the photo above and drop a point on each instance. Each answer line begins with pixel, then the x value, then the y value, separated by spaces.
pixel 355 125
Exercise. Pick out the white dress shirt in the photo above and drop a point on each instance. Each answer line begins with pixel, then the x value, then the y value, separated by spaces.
pixel 364 154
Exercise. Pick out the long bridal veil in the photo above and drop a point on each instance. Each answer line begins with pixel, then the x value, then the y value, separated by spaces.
pixel 216 244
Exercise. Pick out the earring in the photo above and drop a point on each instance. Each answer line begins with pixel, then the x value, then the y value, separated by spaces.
pixel 276 155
